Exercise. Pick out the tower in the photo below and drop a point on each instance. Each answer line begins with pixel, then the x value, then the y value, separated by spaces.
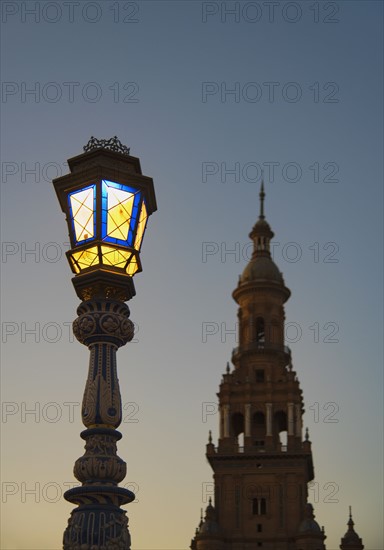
pixel 262 464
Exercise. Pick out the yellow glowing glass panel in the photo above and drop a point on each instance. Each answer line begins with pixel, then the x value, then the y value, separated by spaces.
pixel 82 212
pixel 120 204
pixel 132 267
pixel 115 256
pixel 86 258
pixel 118 257
pixel 75 266
pixel 141 227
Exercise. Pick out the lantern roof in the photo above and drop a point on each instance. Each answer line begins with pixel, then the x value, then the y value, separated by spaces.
pixel 105 159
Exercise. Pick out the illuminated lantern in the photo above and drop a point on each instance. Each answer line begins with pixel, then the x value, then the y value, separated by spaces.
pixel 107 201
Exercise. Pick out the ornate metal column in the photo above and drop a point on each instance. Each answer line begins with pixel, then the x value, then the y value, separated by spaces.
pixel 107 201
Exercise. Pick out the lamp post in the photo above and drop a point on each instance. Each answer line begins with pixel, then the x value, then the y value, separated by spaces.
pixel 107 201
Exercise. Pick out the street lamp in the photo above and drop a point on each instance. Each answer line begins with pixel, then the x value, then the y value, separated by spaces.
pixel 107 201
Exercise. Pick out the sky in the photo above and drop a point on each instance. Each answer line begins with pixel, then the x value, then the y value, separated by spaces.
pixel 206 94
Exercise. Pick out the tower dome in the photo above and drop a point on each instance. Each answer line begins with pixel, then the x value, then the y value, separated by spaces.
pixel 209 526
pixel 261 268
pixel 309 524
pixel 309 535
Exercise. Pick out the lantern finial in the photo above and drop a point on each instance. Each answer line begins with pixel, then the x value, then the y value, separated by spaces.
pixel 113 144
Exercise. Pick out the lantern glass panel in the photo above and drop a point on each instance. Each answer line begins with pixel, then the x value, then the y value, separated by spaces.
pixel 116 257
pixel 141 226
pixel 132 267
pixel 85 258
pixel 120 204
pixel 119 216
pixel 119 257
pixel 82 206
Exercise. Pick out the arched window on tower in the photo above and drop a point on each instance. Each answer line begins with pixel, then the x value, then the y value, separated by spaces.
pixel 259 506
pixel 262 243
pixel 280 429
pixel 251 328
pixel 258 429
pixel 260 331
pixel 276 332
pixel 237 425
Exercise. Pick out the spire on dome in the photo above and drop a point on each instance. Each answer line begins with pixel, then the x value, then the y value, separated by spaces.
pixel 262 197
pixel 350 523
pixel 351 539
pixel 261 233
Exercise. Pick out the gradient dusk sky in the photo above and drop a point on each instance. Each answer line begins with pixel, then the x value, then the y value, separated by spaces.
pixel 206 94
